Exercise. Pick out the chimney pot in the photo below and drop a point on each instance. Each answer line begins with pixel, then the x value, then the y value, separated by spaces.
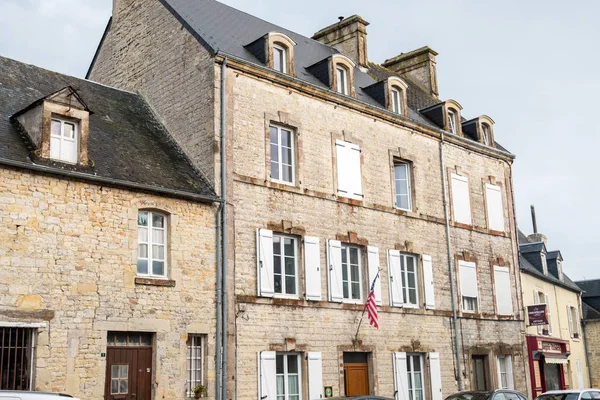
pixel 341 18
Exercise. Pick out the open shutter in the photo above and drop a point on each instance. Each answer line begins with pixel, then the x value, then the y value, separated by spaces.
pixel 509 373
pixel 315 376
pixel 503 293
pixel 578 324
pixel 436 376
pixel 468 279
pixel 549 315
pixel 312 268
pixel 400 376
pixel 264 258
pixel 355 174
pixel 267 377
pixel 373 259
pixel 334 261
pixel 395 274
pixel 495 211
pixel 536 300
pixel 570 317
pixel 428 282
pixel 461 201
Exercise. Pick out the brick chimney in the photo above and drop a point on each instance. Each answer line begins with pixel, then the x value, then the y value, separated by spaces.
pixel 418 66
pixel 349 36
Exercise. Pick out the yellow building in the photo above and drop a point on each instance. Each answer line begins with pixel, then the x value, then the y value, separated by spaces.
pixel 556 350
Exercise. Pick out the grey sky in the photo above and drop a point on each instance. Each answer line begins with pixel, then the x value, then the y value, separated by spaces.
pixel 530 65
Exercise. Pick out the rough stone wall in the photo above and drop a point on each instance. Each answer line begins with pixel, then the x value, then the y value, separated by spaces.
pixel 592 338
pixel 68 259
pixel 148 50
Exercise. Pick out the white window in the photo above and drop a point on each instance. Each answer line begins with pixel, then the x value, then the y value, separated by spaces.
pixel 504 296
pixel 403 186
pixel 152 244
pixel 282 155
pixel 63 141
pixel 468 286
pixel 119 379
pixel 279 58
pixel 414 369
pixel 461 199
pixel 544 263
pixel 574 323
pixel 348 170
pixel 403 279
pixel 287 369
pixel 285 265
pixel 505 372
pixel 495 210
pixel 452 121
pixel 541 298
pixel 195 363
pixel 485 132
pixel 351 274
pixel 342 79
pixel 397 105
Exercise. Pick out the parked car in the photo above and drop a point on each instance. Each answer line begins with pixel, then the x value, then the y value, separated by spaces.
pixel 581 394
pixel 366 397
pixel 500 394
pixel 25 395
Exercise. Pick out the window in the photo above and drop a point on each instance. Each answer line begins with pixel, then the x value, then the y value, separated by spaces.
pixel 342 80
pixel 495 210
pixel 505 378
pixel 397 105
pixel 468 286
pixel 119 380
pixel 16 356
pixel 452 121
pixel 287 367
pixel 195 363
pixel 351 275
pixel 63 141
pixel 544 263
pixel 348 170
pixel 152 239
pixel 541 298
pixel 574 323
pixel 504 296
pixel 479 373
pixel 414 368
pixel 403 186
pixel 282 155
pixel 461 199
pixel 279 58
pixel 408 268
pixel 485 133
pixel 285 268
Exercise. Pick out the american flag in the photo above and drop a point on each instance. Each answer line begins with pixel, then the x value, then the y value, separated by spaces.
pixel 372 306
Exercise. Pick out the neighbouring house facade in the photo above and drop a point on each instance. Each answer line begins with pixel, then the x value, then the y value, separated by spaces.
pixel 108 244
pixel 556 350
pixel 338 170
pixel 590 296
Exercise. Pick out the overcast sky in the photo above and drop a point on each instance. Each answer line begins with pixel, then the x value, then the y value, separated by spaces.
pixel 530 65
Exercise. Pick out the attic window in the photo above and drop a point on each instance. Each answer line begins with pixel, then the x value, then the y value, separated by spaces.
pixel 342 79
pixel 452 121
pixel 397 100
pixel 63 140
pixel 485 134
pixel 280 58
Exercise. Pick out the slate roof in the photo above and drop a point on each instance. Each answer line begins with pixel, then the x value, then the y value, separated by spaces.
pixel 590 313
pixel 127 144
pixel 528 268
pixel 535 247
pixel 221 28
pixel 590 288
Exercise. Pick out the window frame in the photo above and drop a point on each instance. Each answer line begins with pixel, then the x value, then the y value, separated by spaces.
pixel 469 301
pixel 282 264
pixel 279 145
pixel 62 138
pixel 410 357
pixel 452 121
pixel 397 100
pixel 485 134
pixel 345 248
pixel 342 72
pixel 150 245
pixel 284 54
pixel 404 276
pixel 285 375
pixel 191 379
pixel 408 180
pixel 119 379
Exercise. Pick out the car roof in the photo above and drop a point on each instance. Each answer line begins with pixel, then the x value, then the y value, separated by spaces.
pixel 34 393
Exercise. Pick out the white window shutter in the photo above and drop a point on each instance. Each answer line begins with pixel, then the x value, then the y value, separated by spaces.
pixel 436 376
pixel 264 258
pixel 334 267
pixel 315 375
pixel 400 376
pixel 503 292
pixel 509 373
pixel 495 210
pixel 461 200
pixel 468 279
pixel 267 376
pixel 579 374
pixel 578 324
pixel 343 169
pixel 570 317
pixel 355 173
pixel 428 282
pixel 395 280
pixel 549 315
pixel 312 268
pixel 373 259
pixel 499 371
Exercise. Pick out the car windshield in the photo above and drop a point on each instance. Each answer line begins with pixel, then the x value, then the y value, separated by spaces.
pixel 558 396
pixel 471 396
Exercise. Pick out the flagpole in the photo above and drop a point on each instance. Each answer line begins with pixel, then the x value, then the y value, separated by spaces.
pixel 364 309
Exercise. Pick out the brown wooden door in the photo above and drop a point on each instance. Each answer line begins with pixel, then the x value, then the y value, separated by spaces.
pixel 356 377
pixel 128 373
pixel 480 373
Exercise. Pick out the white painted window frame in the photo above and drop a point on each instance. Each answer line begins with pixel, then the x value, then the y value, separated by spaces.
pixel 194 352
pixel 62 140
pixel 404 276
pixel 452 121
pixel 286 374
pixel 342 79
pixel 346 248
pixel 150 243
pixel 280 153
pixel 410 357
pixel 485 133
pixel 296 247
pixel 508 371
pixel 284 53
pixel 397 105
pixel 408 184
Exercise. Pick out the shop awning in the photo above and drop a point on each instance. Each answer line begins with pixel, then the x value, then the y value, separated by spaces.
pixel 556 359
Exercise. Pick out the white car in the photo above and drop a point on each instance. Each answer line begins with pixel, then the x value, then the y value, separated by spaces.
pixel 580 394
pixel 25 395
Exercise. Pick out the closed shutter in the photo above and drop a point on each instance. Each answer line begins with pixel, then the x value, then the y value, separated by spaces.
pixel 267 376
pixel 468 279
pixel 334 261
pixel 461 201
pixel 428 282
pixel 579 374
pixel 315 375
pixel 264 258
pixel 373 259
pixel 312 268
pixel 570 317
pixel 549 315
pixel 436 376
pixel 504 304
pixel 395 274
pixel 495 210
pixel 348 169
pixel 400 376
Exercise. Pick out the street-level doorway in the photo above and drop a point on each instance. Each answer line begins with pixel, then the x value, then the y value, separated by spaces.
pixel 552 373
pixel 356 374
pixel 480 373
pixel 128 366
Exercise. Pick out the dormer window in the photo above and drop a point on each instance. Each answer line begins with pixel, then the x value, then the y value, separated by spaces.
pixel 390 93
pixel 452 121
pixel 63 141
pixel 445 115
pixel 337 72
pixel 279 58
pixel 485 134
pixel 397 101
pixel 342 79
pixel 275 50
pixel 480 129
pixel 544 263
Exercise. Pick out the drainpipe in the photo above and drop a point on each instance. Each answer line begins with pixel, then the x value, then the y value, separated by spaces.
pixel 450 269
pixel 224 226
pixel 219 307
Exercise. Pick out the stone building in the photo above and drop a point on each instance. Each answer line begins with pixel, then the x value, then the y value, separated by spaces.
pixel 590 296
pixel 338 170
pixel 108 244
pixel 556 350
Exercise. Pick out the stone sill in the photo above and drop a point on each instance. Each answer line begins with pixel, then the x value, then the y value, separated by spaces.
pixel 154 282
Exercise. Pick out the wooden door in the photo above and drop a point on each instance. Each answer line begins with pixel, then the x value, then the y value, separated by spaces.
pixel 480 373
pixel 356 377
pixel 128 373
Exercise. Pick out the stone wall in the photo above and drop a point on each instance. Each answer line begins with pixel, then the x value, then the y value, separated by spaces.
pixel 592 339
